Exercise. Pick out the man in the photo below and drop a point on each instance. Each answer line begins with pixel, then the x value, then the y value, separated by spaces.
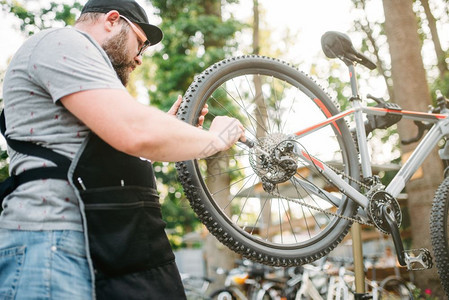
pixel 81 218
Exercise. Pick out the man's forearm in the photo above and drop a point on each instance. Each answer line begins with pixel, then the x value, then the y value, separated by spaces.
pixel 148 132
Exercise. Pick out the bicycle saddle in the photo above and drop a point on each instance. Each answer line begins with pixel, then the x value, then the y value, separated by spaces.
pixel 337 44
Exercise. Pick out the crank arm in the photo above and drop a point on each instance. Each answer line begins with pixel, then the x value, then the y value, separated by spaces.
pixel 415 259
pixel 388 215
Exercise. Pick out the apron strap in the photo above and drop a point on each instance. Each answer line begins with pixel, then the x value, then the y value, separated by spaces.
pixel 29 148
pixel 33 149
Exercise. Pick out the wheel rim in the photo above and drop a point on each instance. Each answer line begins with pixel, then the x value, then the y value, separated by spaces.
pixel 288 106
pixel 222 189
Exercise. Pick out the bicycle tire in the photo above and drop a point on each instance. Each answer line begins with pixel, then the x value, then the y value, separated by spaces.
pixel 223 294
pixel 284 94
pixel 393 287
pixel 439 228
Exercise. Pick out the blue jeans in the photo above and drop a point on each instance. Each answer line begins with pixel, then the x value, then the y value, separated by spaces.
pixel 43 265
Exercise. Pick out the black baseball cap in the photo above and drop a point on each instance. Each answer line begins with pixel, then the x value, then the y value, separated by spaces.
pixel 129 9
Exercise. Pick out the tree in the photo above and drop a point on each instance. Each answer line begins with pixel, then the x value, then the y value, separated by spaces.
pixel 371 46
pixel 428 20
pixel 196 36
pixel 4 167
pixel 439 52
pixel 53 14
pixel 411 91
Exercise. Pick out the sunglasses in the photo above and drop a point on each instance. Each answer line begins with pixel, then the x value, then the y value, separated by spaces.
pixel 140 34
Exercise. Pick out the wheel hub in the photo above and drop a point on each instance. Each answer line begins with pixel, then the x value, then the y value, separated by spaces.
pixel 276 162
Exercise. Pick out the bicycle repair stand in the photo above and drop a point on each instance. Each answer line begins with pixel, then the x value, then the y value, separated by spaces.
pixel 360 293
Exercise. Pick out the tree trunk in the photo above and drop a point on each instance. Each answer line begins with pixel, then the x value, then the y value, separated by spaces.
pixel 256 44
pixel 440 54
pixel 411 92
pixel 367 26
pixel 261 114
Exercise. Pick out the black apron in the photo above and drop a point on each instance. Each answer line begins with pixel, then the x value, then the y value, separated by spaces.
pixel 132 257
pixel 130 253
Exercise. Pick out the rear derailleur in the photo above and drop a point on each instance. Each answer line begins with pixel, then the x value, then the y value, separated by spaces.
pixel 276 165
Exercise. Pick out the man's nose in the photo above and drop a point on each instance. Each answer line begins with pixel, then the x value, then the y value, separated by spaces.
pixel 138 59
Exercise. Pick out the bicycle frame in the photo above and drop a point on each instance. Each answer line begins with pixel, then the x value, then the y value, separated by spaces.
pixel 438 131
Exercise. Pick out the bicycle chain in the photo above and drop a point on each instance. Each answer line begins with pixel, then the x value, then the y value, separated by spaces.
pixel 322 210
pixel 328 212
pixel 311 206
pixel 348 177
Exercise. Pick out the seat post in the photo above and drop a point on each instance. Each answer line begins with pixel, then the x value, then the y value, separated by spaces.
pixel 357 249
pixel 365 160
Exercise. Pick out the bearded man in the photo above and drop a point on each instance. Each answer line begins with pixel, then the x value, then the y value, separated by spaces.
pixel 81 217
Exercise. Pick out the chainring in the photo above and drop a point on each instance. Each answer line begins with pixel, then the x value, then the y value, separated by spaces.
pixel 379 199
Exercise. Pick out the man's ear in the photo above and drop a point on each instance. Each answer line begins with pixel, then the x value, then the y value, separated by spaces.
pixel 111 19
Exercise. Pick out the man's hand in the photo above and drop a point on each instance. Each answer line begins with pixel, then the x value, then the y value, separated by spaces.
pixel 228 130
pixel 174 109
pixel 204 112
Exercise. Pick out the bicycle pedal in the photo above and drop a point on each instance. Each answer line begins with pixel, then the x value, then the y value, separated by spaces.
pixel 418 259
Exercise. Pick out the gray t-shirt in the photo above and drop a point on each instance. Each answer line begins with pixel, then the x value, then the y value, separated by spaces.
pixel 50 65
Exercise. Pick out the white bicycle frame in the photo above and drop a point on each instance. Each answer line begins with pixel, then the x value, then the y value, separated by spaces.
pixel 308 288
pixel 439 130
pixel 338 288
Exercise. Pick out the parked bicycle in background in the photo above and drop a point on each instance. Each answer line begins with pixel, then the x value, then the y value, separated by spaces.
pixel 249 281
pixel 341 283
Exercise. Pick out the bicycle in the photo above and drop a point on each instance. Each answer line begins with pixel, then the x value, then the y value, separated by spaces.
pixel 341 283
pixel 289 194
pixel 195 287
pixel 311 283
pixel 248 282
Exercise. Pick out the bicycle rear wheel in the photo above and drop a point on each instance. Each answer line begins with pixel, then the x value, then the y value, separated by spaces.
pixel 223 294
pixel 394 288
pixel 269 210
pixel 439 232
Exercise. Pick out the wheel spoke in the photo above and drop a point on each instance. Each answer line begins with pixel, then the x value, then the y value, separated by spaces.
pixel 265 199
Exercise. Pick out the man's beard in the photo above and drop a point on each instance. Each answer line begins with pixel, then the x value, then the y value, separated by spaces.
pixel 117 49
